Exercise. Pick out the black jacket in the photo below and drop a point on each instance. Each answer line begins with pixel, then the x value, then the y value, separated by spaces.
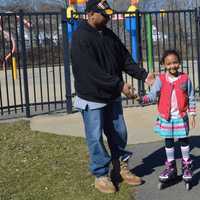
pixel 98 60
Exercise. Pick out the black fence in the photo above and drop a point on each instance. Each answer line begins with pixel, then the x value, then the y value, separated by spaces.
pixel 38 84
pixel 42 81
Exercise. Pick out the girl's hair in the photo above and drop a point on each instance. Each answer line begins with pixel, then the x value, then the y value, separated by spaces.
pixel 169 52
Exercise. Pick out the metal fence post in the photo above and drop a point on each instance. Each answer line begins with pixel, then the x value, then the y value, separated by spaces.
pixel 197 17
pixel 141 89
pixel 24 63
pixel 66 62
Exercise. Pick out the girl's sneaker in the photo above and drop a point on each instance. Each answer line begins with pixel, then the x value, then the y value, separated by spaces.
pixel 187 170
pixel 170 171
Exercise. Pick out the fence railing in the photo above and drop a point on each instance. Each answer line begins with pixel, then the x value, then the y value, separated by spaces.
pixel 41 81
pixel 36 42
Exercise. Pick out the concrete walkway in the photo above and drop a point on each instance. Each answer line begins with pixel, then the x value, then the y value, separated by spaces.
pixel 139 120
pixel 148 149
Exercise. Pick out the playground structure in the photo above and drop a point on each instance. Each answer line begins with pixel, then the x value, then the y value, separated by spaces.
pixel 132 23
pixel 8 37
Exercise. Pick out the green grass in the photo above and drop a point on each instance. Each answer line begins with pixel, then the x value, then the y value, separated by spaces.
pixel 44 166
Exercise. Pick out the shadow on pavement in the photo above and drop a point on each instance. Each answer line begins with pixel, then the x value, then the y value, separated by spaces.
pixel 157 158
pixel 195 146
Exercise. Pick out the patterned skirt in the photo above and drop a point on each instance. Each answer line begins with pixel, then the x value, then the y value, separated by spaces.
pixel 173 128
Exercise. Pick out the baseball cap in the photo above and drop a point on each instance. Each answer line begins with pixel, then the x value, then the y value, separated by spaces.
pixel 99 6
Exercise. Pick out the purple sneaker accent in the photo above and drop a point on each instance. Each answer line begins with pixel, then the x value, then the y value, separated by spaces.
pixel 169 172
pixel 187 169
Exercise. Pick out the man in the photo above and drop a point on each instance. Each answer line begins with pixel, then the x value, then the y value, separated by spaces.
pixel 98 59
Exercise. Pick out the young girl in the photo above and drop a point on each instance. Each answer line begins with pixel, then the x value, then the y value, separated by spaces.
pixel 175 98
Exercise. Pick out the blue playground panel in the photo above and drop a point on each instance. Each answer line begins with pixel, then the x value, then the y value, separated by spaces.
pixel 72 26
pixel 131 26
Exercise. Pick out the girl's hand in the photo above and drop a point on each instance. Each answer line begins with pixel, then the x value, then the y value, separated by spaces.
pixel 192 121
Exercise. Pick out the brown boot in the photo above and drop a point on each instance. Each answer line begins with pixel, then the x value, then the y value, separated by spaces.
pixel 104 184
pixel 129 177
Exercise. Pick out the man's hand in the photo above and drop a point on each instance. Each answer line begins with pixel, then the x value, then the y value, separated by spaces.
pixel 192 121
pixel 128 91
pixel 150 78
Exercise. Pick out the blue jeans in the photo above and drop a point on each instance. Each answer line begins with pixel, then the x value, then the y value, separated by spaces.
pixel 109 120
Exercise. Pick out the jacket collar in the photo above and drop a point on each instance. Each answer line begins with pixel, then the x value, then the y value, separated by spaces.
pixel 85 25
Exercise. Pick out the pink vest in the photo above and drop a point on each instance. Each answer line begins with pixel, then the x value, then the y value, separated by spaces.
pixel 180 86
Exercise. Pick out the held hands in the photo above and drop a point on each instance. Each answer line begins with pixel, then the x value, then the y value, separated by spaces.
pixel 129 91
pixel 192 121
pixel 143 100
